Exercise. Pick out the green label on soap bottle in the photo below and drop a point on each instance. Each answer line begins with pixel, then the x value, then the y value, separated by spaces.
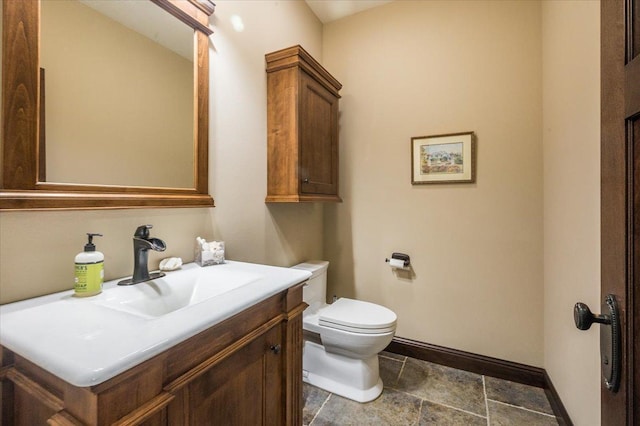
pixel 89 278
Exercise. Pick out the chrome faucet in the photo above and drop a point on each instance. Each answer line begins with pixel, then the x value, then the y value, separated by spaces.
pixel 141 245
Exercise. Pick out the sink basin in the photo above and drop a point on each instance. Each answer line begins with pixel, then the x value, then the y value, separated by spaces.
pixel 88 340
pixel 175 291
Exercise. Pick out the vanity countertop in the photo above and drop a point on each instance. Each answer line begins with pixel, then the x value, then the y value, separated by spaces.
pixel 86 341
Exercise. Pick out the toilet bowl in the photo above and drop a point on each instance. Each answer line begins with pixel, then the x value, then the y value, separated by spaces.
pixel 342 340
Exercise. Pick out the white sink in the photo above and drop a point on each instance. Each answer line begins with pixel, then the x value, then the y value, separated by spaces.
pixel 87 340
pixel 178 290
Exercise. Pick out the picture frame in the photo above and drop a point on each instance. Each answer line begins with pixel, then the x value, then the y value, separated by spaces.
pixel 447 158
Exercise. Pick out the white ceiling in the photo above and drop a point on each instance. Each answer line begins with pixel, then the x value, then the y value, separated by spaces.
pixel 150 21
pixel 330 10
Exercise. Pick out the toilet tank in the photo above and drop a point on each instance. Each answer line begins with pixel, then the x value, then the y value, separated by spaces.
pixel 315 293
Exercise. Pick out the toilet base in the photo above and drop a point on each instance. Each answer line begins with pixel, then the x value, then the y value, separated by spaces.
pixel 356 379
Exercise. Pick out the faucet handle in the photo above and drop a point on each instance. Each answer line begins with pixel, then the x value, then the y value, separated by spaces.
pixel 142 231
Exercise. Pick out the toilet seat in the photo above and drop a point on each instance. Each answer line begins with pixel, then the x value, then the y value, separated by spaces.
pixel 357 316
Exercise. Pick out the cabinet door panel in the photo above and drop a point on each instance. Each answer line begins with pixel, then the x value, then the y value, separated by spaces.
pixel 318 138
pixel 159 419
pixel 29 410
pixel 240 390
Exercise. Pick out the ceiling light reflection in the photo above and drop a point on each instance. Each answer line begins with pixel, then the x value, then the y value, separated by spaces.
pixel 236 23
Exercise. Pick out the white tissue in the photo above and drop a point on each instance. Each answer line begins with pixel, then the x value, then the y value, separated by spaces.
pixel 396 263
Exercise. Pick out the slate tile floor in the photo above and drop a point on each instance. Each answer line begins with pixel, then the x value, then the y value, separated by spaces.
pixel 422 393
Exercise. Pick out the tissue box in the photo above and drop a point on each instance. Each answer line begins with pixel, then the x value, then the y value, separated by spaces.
pixel 211 253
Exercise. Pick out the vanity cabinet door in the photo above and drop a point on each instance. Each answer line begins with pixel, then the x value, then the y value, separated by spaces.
pixel 29 409
pixel 243 389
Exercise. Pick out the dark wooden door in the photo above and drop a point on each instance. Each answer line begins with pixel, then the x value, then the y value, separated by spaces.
pixel 620 194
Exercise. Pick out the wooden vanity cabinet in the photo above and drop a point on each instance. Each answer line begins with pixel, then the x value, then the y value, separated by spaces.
pixel 246 370
pixel 302 128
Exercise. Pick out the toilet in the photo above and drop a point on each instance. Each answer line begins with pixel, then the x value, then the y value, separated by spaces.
pixel 342 340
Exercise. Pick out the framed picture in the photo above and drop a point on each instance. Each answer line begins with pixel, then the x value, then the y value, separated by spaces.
pixel 447 158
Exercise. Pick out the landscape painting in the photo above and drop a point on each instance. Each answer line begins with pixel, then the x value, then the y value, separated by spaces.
pixel 441 158
pixel 446 158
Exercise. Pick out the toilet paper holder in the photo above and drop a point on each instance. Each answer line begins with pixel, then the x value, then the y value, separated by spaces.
pixel 400 256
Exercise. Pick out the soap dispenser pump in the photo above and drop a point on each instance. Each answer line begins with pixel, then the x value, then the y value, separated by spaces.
pixel 89 270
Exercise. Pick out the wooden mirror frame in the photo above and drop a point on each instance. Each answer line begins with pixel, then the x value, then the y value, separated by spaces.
pixel 23 186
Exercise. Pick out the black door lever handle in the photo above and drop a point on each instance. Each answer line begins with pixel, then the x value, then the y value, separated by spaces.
pixel 584 318
pixel 610 337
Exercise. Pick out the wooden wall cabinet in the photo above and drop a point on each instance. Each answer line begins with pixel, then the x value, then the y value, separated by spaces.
pixel 302 127
pixel 246 370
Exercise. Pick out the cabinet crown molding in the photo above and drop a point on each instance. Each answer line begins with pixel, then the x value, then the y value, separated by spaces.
pixel 296 56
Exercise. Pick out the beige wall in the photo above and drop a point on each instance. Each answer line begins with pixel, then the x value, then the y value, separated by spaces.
pixel 37 248
pixel 571 145
pixel 422 68
pixel 99 73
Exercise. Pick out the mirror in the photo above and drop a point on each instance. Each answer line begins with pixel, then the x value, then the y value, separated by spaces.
pixel 58 151
pixel 90 83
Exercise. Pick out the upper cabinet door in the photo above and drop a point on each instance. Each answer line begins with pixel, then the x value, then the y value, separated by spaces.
pixel 318 138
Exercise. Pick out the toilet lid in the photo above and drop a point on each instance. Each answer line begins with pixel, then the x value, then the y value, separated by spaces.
pixel 357 316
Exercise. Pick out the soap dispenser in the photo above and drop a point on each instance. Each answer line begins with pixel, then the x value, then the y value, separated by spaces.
pixel 89 270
